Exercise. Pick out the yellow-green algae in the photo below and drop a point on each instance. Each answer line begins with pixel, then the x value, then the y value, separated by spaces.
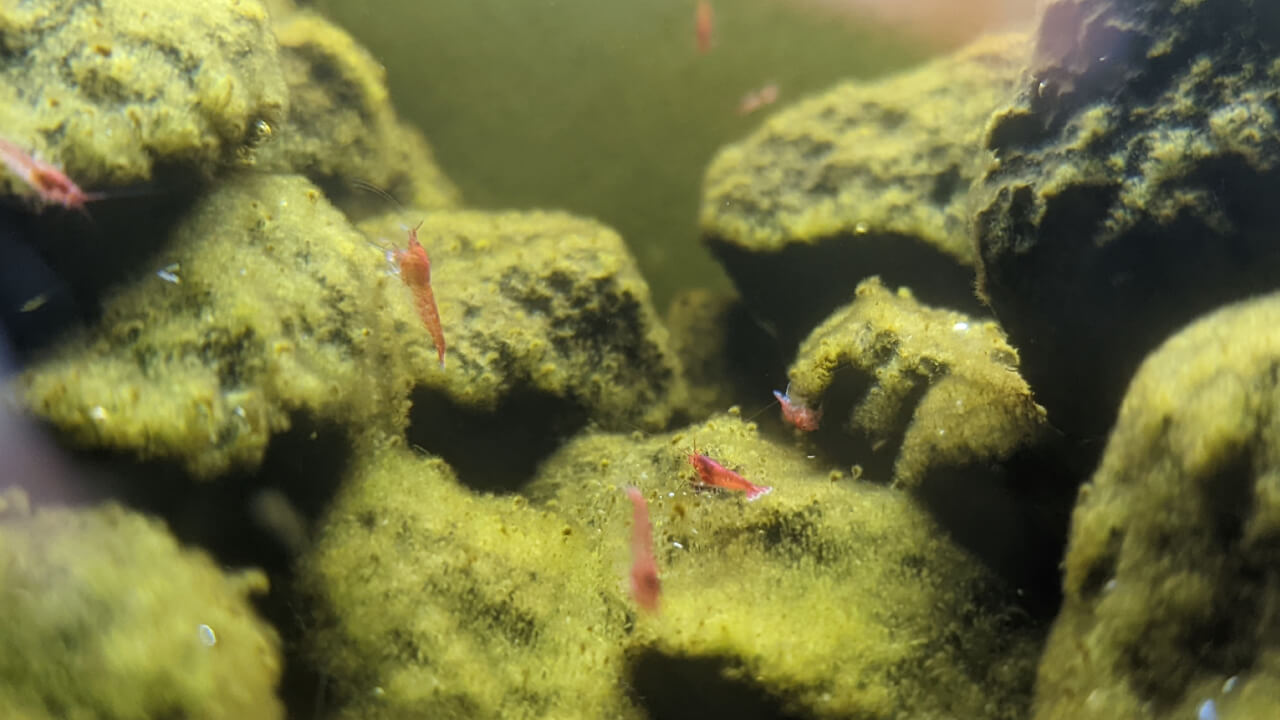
pixel 542 300
pixel 838 599
pixel 281 306
pixel 107 616
pixel 278 307
pixel 700 324
pixel 342 127
pixel 108 90
pixel 436 602
pixel 1171 572
pixel 971 405
pixel 891 157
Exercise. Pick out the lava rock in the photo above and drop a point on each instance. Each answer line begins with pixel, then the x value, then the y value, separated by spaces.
pixel 1131 190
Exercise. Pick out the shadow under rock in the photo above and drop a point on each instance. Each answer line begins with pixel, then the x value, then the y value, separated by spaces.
pixel 494 450
pixel 57 265
pixel 685 688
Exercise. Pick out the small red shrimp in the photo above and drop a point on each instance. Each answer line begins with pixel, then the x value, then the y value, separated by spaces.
pixel 415 271
pixel 646 588
pixel 704 23
pixel 757 99
pixel 51 184
pixel 797 413
pixel 713 474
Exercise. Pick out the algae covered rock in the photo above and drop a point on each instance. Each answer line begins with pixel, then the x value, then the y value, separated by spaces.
pixel 543 302
pixel 865 179
pixel 822 599
pixel 342 127
pixel 929 390
pixel 108 91
pixel 437 602
pixel 268 306
pixel 105 615
pixel 1172 575
pixel 828 599
pixel 1130 192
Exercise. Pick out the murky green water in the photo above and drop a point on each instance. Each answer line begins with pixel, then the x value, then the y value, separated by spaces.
pixel 607 109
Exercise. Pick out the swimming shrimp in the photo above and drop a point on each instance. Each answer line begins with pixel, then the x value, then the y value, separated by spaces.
pixel 52 186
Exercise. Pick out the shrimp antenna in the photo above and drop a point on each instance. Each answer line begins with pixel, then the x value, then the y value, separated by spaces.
pixel 367 186
pixel 762 410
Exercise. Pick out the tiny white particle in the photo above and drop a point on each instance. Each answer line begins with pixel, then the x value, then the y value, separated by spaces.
pixel 206 636
pixel 97 412
pixel 1229 685
pixel 239 411
pixel 960 326
pixel 811 457
pixel 169 273
pixel 671 494
pixel 1111 585
pixel 860 229
pixel 677 544
pixel 942 431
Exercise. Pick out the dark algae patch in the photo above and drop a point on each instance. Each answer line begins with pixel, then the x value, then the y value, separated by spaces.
pixel 1129 190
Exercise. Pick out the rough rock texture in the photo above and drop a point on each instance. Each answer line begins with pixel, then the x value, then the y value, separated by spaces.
pixel 823 599
pixel 106 616
pixel 1132 187
pixel 277 305
pixel 928 390
pixel 864 179
pixel 545 302
pixel 1173 571
pixel 826 599
pixel 342 126
pixel 433 601
pixel 274 309
pixel 108 91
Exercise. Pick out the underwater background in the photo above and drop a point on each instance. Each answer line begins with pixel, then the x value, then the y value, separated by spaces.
pixel 675 359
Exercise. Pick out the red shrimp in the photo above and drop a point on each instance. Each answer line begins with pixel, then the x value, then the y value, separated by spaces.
pixel 757 99
pixel 713 474
pixel 51 184
pixel 645 585
pixel 704 23
pixel 415 271
pixel 797 413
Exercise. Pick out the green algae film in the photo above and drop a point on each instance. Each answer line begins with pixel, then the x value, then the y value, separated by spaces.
pixel 1184 504
pixel 117 83
pixel 437 602
pixel 276 309
pixel 281 306
pixel 107 616
pixel 942 386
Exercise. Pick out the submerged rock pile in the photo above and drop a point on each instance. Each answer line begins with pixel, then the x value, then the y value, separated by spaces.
pixel 461 550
